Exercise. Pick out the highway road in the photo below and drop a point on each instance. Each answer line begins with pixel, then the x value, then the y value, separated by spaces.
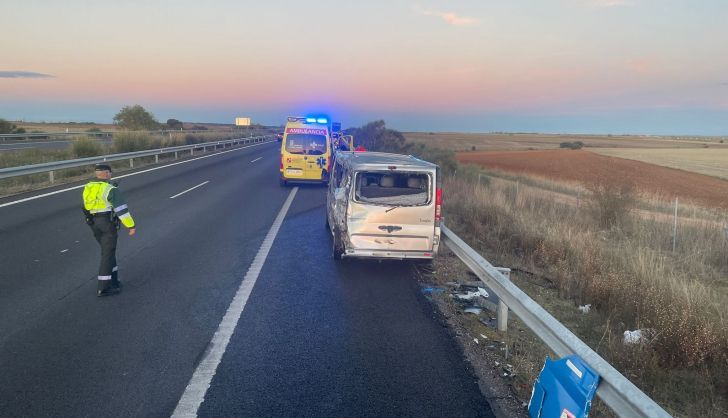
pixel 59 144
pixel 232 306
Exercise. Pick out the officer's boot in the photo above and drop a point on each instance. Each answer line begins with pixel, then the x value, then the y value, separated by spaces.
pixel 102 287
pixel 115 283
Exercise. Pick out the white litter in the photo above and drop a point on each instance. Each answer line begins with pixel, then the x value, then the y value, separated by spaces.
pixel 474 310
pixel 585 308
pixel 638 336
pixel 484 336
pixel 476 341
pixel 469 295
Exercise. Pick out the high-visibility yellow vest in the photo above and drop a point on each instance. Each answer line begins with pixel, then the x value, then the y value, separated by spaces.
pixel 96 197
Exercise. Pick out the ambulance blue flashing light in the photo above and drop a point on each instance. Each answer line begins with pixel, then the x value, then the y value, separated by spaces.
pixel 308 119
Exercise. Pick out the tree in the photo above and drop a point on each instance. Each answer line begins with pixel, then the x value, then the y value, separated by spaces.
pixel 174 124
pixel 135 118
pixel 6 127
pixel 375 136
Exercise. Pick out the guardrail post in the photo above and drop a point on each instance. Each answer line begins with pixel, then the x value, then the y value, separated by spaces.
pixel 175 155
pixel 192 152
pixel 131 163
pixel 156 158
pixel 502 312
pixel 51 177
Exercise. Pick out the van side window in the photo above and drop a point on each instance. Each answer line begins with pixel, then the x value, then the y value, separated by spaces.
pixel 338 175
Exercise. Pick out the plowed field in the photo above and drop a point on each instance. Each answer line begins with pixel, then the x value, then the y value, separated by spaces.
pixel 586 167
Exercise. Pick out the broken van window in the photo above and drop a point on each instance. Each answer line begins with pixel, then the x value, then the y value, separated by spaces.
pixel 389 188
pixel 305 144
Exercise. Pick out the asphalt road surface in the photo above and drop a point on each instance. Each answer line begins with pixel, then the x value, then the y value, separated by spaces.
pixel 60 144
pixel 315 337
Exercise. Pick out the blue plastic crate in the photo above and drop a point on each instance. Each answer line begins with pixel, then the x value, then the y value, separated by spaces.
pixel 564 389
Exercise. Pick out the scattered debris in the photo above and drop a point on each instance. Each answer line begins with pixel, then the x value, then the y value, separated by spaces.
pixel 639 336
pixel 476 341
pixel 433 290
pixel 585 308
pixel 484 336
pixel 474 310
pixel 468 295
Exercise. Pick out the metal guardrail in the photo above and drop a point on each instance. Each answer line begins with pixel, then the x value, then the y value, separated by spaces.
pixel 80 162
pixel 27 135
pixel 621 395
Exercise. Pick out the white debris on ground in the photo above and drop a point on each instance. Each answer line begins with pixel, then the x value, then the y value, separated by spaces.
pixel 585 308
pixel 473 310
pixel 638 336
pixel 473 294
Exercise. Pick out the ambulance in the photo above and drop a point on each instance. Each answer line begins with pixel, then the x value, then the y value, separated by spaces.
pixel 306 152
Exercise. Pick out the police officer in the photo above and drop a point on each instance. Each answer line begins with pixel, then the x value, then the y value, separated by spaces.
pixel 104 206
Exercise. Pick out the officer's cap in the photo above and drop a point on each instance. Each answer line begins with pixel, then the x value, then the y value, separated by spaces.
pixel 102 167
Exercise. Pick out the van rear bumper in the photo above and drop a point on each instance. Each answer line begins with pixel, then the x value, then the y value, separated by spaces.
pixel 388 254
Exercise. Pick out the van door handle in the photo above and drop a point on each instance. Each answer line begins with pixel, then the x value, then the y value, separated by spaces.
pixel 390 228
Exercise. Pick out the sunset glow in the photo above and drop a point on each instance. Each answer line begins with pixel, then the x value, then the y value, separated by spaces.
pixel 507 64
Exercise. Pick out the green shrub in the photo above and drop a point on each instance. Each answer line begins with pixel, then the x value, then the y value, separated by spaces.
pixel 134 141
pixel 86 147
pixel 572 145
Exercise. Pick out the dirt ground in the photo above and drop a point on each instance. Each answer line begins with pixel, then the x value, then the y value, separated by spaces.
pixel 511 141
pixel 587 167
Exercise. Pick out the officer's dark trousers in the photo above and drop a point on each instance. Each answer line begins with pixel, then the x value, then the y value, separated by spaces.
pixel 106 235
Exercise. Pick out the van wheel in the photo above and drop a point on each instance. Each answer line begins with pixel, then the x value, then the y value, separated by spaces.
pixel 282 182
pixel 337 248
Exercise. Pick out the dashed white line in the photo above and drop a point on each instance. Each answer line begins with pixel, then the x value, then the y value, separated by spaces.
pixel 190 189
pixel 256 159
pixel 63 251
pixel 196 389
pixel 15 202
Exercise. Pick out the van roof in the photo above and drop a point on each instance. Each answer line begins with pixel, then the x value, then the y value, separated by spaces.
pixel 358 160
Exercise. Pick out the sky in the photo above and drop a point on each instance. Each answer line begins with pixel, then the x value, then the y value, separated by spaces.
pixel 571 66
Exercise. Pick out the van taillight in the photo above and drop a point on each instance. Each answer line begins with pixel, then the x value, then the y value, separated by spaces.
pixel 281 161
pixel 438 206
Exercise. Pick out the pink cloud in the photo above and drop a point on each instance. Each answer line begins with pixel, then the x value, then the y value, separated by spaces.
pixel 451 18
pixel 643 65
pixel 606 3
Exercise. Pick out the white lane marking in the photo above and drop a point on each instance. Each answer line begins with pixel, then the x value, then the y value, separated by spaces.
pixel 256 159
pixel 196 389
pixel 190 189
pixel 63 251
pixel 15 202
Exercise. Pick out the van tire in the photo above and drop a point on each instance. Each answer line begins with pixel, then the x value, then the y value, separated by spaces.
pixel 337 248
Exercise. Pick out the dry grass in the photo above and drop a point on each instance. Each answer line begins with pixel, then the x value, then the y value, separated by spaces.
pixel 61 127
pixel 708 161
pixel 84 147
pixel 491 142
pixel 630 276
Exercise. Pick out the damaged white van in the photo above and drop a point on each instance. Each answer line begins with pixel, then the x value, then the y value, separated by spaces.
pixel 384 206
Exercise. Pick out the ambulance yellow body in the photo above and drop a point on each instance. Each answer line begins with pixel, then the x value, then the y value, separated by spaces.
pixel 306 151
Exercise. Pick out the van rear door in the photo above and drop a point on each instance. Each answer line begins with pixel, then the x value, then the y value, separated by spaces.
pixel 393 210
